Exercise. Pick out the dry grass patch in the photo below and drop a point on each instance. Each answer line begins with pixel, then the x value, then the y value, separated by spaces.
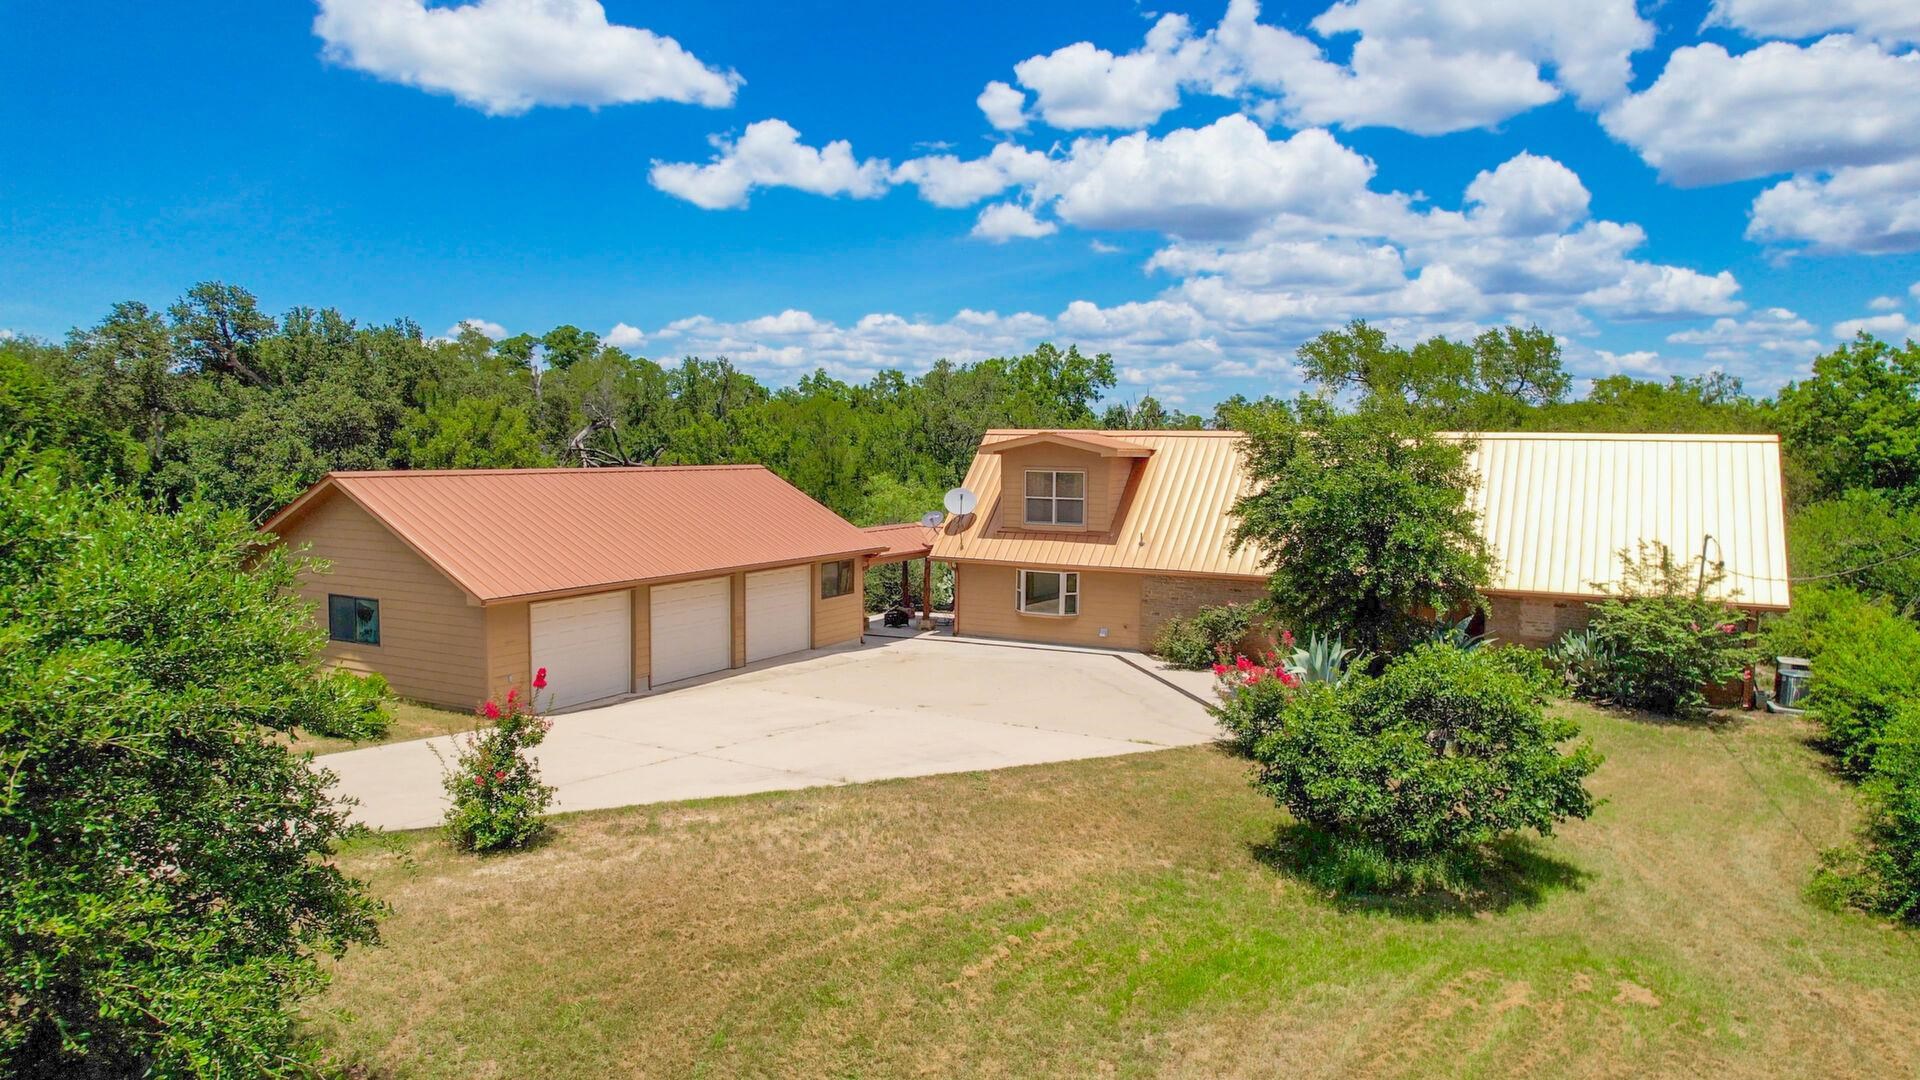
pixel 1116 917
pixel 410 721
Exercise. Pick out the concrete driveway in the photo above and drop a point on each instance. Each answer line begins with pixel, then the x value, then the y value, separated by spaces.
pixel 889 708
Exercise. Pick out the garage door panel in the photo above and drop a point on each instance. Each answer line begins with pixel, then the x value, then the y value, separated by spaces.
pixel 692 629
pixel 585 643
pixel 779 611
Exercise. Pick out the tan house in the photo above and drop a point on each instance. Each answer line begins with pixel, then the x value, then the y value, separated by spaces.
pixel 457 584
pixel 1099 537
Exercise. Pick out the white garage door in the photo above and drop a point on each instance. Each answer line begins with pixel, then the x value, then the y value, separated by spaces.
pixel 779 611
pixel 585 644
pixel 692 629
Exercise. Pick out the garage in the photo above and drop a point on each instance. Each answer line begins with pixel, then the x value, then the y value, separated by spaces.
pixel 692 629
pixel 585 644
pixel 779 611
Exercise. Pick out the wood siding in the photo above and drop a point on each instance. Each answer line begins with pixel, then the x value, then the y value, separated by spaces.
pixel 1102 488
pixel 509 647
pixel 642 639
pixel 984 606
pixel 840 619
pixel 433 641
pixel 738 588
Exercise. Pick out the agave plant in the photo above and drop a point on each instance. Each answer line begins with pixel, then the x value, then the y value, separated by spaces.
pixel 1582 659
pixel 1457 635
pixel 1324 660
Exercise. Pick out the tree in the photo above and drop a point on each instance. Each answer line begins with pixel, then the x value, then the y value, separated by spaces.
pixel 1364 521
pixel 1872 543
pixel 166 881
pixel 469 433
pixel 52 421
pixel 1488 384
pixel 1856 421
pixel 217 329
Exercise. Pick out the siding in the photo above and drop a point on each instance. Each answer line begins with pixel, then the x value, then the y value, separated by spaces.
pixel 432 639
pixel 509 645
pixel 738 589
pixel 642 639
pixel 1102 487
pixel 841 618
pixel 984 607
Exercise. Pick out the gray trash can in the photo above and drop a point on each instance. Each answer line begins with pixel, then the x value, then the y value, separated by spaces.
pixel 1791 674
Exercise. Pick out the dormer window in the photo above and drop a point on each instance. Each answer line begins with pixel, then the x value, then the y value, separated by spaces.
pixel 1056 497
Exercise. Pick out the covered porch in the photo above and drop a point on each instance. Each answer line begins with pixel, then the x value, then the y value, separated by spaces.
pixel 907 543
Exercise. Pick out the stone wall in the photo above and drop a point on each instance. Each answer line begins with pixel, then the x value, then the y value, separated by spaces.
pixel 1533 620
pixel 1166 597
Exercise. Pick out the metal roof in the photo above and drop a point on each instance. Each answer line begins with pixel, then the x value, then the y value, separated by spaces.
pixel 1100 442
pixel 1555 508
pixel 1174 521
pixel 908 540
pixel 504 534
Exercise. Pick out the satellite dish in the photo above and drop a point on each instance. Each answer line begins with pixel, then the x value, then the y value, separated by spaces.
pixel 961 502
pixel 932 519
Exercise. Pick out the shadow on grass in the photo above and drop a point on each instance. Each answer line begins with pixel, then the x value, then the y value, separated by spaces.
pixel 1513 872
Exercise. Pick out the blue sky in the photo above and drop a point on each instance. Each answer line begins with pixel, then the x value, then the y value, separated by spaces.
pixel 1195 188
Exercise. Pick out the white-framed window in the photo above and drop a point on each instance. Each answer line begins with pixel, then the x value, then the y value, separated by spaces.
pixel 1047 592
pixel 1056 497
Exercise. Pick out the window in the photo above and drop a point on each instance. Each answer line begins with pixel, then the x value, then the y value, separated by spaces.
pixel 353 618
pixel 1044 592
pixel 836 579
pixel 1056 498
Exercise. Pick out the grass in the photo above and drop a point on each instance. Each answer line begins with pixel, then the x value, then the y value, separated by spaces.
pixel 1136 916
pixel 410 721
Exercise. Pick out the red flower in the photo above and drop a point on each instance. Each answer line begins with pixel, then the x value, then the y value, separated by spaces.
pixel 1696 626
pixel 491 710
pixel 1242 663
pixel 1728 628
pixel 1289 679
pixel 540 679
pixel 499 775
pixel 1219 669
pixel 1286 638
pixel 480 781
pixel 513 694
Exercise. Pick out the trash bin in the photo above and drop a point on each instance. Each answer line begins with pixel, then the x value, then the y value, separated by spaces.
pixel 1791 675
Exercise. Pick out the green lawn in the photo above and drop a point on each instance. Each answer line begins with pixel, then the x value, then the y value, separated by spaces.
pixel 1132 917
pixel 410 721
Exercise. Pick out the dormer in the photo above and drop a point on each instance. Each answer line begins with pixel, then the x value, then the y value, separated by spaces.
pixel 1063 481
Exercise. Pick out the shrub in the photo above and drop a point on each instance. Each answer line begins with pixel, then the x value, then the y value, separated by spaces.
pixel 362 712
pixel 1883 874
pixel 497 797
pixel 167 886
pixel 1531 667
pixel 1867 665
pixel 1252 698
pixel 1204 637
pixel 1665 637
pixel 1443 752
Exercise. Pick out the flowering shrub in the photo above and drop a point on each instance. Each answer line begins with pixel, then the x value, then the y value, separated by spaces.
pixel 495 787
pixel 1666 639
pixel 1252 697
pixel 1443 752
pixel 1208 635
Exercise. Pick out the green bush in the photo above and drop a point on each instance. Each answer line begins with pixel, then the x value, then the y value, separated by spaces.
pixel 362 712
pixel 1667 639
pixel 1204 638
pixel 1867 665
pixel 1532 668
pixel 1883 874
pixel 167 885
pixel 494 787
pixel 1443 752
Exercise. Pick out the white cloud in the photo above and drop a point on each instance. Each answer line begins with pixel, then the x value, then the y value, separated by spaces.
pixel 1528 195
pixel 1712 117
pixel 769 154
pixel 491 329
pixel 1004 107
pixel 1914 290
pixel 1769 347
pixel 1894 328
pixel 1430 66
pixel 623 336
pixel 945 180
pixel 1101 247
pixel 1888 20
pixel 1008 221
pixel 1872 209
pixel 1884 303
pixel 505 57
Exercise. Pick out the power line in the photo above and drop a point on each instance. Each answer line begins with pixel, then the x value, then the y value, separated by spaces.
pixel 1907 554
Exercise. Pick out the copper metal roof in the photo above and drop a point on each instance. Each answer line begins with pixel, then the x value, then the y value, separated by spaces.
pixel 505 534
pixel 1175 521
pixel 909 540
pixel 1103 443
pixel 1556 509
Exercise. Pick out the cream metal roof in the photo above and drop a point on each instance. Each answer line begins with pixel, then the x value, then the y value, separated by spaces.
pixel 1555 508
pixel 1174 519
pixel 1558 508
pixel 1099 442
pixel 505 534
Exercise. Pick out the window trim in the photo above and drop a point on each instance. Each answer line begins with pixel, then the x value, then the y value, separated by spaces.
pixel 1065 593
pixel 356 601
pixel 846 581
pixel 1054 500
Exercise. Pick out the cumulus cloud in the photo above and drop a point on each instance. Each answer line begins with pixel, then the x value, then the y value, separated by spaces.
pixel 770 154
pixel 1873 209
pixel 1527 195
pixel 1430 66
pixel 1894 327
pixel 1005 108
pixel 945 180
pixel 624 336
pixel 505 57
pixel 493 330
pixel 1773 344
pixel 1888 20
pixel 1007 221
pixel 1884 303
pixel 1713 117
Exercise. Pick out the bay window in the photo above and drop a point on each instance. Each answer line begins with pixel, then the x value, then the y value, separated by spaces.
pixel 1047 592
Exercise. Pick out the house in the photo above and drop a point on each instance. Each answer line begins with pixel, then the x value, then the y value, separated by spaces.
pixel 457 584
pixel 1099 537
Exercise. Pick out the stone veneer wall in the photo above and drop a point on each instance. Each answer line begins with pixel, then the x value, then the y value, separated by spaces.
pixel 1166 597
pixel 1536 621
